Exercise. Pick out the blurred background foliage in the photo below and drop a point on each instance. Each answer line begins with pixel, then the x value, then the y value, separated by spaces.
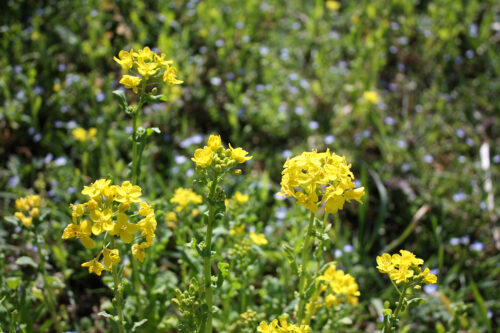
pixel 278 78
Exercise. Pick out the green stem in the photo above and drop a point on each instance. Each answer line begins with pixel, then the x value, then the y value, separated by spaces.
pixel 207 265
pixel 303 272
pixel 48 294
pixel 400 305
pixel 117 292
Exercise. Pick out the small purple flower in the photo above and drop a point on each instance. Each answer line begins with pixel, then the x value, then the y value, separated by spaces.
pixel 477 246
pixel 455 241
pixel 430 289
pixel 348 248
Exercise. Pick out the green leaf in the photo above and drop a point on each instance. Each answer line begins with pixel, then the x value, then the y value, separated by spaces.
pixel 13 282
pixel 138 324
pixel 12 219
pixel 122 100
pixel 107 315
pixel 290 257
pixel 482 307
pixel 25 261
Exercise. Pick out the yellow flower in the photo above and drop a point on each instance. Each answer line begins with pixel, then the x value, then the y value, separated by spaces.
pixel 238 231
pixel 138 252
pixel 183 197
pixel 94 266
pixel 144 55
pixel 128 193
pixel 258 239
pixel 82 135
pixel 102 221
pixel 241 198
pixel 333 5
pixel 312 175
pixel 202 157
pixel 96 190
pixel 147 69
pixel 239 154
pixel 427 277
pixel 402 274
pixel 25 220
pixel 385 263
pixel 131 82
pixel 110 257
pixel 341 284
pixel 170 76
pixel 145 209
pixel 214 142
pixel 125 59
pixel 124 229
pixel 82 231
pixel 371 96
pixel 282 327
pixel 148 227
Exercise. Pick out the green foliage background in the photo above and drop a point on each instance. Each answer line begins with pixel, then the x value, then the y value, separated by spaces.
pixel 277 78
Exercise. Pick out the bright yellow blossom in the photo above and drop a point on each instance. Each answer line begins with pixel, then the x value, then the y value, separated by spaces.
pixel 241 198
pixel 332 5
pixel 83 135
pixel 183 197
pixel 203 157
pixel 214 142
pixel 239 154
pixel 117 211
pixel 258 239
pixel 314 178
pixel 125 59
pixel 29 205
pixel 131 82
pixel 94 266
pixel 371 96
pixel 404 267
pixel 170 76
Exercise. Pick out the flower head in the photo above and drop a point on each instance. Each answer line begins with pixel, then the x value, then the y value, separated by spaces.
pixel 117 211
pixel 183 197
pixel 404 267
pixel 131 82
pixel 319 178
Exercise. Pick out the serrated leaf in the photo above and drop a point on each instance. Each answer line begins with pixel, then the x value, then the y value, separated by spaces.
pixel 25 261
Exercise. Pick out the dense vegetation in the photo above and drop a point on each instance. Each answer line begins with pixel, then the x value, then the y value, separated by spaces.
pixel 406 90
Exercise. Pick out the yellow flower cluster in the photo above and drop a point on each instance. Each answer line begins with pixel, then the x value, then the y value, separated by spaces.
pixel 27 205
pixel 282 326
pixel 342 286
pixel 215 155
pixel 258 239
pixel 111 210
pixel 183 197
pixel 148 65
pixel 405 267
pixel 83 135
pixel 314 178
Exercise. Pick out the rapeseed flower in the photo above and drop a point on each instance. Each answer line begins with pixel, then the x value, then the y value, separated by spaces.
pixel 404 268
pixel 148 65
pixel 83 135
pixel 282 326
pixel 258 239
pixel 222 159
pixel 320 178
pixel 112 209
pixel 27 205
pixel 183 197
pixel 342 286
pixel 371 96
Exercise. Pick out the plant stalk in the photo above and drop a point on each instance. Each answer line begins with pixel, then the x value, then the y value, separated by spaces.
pixel 303 272
pixel 207 264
